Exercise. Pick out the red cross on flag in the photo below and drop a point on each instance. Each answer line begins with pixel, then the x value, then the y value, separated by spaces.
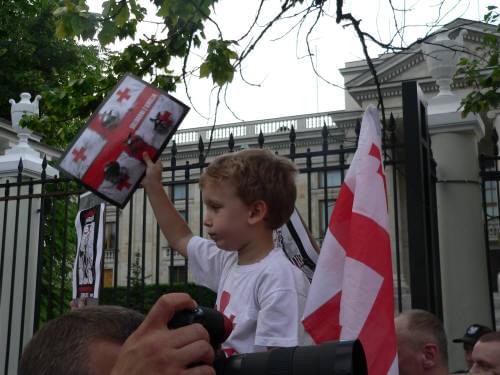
pixel 106 156
pixel 351 295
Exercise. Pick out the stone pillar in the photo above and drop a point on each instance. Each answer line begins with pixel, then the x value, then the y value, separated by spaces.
pixel 19 229
pixel 464 276
pixel 464 272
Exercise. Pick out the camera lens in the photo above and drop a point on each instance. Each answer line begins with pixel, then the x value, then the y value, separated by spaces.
pixel 332 358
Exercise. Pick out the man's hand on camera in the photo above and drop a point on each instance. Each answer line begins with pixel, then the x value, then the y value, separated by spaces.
pixel 154 349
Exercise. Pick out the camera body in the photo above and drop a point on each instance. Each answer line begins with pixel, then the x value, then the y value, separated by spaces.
pixel 336 358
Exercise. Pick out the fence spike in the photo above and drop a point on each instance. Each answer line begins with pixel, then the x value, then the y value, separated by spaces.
pixel 174 148
pixel 20 166
pixel 44 167
pixel 392 123
pixel 324 131
pixel 261 139
pixel 231 142
pixel 357 128
pixel 201 148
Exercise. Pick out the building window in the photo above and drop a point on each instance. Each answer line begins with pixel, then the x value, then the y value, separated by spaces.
pixel 179 192
pixel 183 214
pixel 491 194
pixel 333 179
pixel 108 278
pixel 330 204
pixel 110 239
pixel 178 274
pixel 492 219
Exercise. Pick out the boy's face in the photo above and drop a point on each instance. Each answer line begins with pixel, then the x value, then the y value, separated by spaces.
pixel 226 216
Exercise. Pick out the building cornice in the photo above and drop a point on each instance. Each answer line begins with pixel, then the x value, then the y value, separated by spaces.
pixel 396 64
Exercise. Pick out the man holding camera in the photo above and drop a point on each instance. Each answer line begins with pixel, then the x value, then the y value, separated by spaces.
pixel 115 340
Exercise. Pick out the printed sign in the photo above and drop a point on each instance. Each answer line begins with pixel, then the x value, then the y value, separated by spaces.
pixel 88 260
pixel 106 156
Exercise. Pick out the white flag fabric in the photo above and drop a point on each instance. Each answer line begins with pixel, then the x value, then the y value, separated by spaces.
pixel 297 244
pixel 351 295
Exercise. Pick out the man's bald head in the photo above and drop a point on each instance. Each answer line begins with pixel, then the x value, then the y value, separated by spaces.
pixel 421 343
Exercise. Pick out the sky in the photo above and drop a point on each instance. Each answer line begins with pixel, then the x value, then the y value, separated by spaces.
pixel 283 81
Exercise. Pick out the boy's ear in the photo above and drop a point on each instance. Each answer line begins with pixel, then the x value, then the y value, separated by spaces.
pixel 257 212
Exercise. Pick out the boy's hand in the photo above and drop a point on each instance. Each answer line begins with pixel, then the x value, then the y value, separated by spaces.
pixel 152 178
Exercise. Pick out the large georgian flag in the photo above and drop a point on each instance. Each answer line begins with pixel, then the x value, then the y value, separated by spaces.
pixel 351 294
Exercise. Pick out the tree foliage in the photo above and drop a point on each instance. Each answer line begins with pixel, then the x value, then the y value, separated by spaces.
pixel 72 78
pixel 166 60
pixel 185 22
pixel 483 72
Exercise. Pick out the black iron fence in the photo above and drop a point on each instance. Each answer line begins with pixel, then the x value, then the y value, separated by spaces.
pixel 138 264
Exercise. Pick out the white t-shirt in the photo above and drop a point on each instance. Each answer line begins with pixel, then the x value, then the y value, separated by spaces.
pixel 264 300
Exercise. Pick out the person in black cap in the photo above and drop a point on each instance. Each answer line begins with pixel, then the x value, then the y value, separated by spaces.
pixel 469 339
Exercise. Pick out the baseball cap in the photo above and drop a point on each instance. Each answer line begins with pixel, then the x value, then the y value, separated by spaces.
pixel 473 333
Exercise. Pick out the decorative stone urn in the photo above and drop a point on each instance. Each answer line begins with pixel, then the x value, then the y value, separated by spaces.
pixel 17 111
pixel 441 55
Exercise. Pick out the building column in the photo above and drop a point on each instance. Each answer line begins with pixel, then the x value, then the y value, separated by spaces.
pixel 19 221
pixel 464 275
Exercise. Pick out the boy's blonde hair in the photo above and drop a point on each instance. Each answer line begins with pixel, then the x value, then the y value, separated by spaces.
pixel 258 175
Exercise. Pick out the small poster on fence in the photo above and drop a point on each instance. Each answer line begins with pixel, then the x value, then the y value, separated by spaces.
pixel 298 244
pixel 89 225
pixel 106 156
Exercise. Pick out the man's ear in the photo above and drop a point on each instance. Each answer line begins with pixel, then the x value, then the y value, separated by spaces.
pixel 430 356
pixel 257 212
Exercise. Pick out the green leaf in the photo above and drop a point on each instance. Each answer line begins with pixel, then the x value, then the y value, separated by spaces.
pixel 108 33
pixel 60 29
pixel 70 6
pixel 60 11
pixel 106 7
pixel 122 16
pixel 77 25
pixel 164 10
pixel 205 70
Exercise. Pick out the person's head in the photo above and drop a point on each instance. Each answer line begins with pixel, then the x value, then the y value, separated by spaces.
pixel 421 343
pixel 253 188
pixel 469 339
pixel 486 354
pixel 84 341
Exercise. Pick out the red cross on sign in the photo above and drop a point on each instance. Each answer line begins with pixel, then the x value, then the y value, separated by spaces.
pixel 123 95
pixel 165 117
pixel 123 183
pixel 115 140
pixel 79 154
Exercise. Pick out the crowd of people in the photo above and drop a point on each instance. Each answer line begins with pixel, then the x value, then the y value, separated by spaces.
pixel 117 340
pixel 258 289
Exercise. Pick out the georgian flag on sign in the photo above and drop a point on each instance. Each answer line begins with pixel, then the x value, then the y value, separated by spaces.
pixel 107 154
pixel 351 295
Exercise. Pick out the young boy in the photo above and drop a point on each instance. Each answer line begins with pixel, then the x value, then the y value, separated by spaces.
pixel 247 195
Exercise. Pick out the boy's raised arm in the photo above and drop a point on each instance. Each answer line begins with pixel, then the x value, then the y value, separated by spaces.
pixel 172 224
